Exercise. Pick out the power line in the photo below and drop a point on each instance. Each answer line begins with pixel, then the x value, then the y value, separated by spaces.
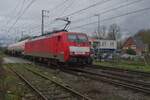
pixel 107 11
pixel 59 5
pixel 68 7
pixel 91 6
pixel 65 9
pixel 121 6
pixel 110 10
pixel 54 8
pixel 78 11
pixel 14 10
pixel 27 7
pixel 114 17
pixel 23 3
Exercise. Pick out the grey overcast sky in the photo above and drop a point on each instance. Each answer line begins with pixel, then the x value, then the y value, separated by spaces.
pixel 30 21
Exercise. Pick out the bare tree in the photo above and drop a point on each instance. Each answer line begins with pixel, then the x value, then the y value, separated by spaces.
pixel 103 31
pixel 114 31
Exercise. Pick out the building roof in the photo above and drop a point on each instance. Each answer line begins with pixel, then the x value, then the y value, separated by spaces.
pixel 138 41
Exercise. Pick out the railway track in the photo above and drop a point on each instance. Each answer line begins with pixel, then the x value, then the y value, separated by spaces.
pixel 116 79
pixel 123 71
pixel 45 87
pixel 134 75
pixel 120 77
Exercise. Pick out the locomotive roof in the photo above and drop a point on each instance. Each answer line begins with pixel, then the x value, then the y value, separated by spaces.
pixel 51 34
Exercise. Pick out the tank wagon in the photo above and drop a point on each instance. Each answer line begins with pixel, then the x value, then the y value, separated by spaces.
pixel 17 49
pixel 60 47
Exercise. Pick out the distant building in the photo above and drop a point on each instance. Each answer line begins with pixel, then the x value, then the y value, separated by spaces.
pixel 136 44
pixel 104 45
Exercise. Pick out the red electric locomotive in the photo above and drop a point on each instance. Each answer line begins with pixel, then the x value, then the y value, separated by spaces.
pixel 65 47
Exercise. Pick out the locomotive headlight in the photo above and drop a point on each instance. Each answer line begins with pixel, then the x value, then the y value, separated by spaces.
pixel 72 53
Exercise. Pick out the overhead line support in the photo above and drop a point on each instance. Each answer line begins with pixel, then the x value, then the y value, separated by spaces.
pixel 43 16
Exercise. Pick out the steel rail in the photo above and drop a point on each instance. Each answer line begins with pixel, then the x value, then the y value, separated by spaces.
pixel 65 87
pixel 40 93
pixel 29 84
pixel 111 79
pixel 137 72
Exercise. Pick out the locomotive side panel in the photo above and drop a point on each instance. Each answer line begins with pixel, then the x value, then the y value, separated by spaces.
pixel 60 47
pixel 51 47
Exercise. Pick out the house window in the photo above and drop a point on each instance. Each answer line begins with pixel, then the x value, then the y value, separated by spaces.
pixel 103 43
pixel 111 43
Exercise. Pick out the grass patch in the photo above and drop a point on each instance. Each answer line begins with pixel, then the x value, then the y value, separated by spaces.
pixel 2 78
pixel 2 54
pixel 126 65
pixel 11 87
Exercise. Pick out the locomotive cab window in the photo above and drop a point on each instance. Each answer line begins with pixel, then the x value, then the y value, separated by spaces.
pixel 82 38
pixel 77 38
pixel 72 37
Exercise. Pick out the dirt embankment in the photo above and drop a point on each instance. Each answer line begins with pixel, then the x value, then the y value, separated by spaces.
pixel 2 83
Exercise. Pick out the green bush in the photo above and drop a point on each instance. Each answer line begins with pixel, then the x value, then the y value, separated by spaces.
pixel 131 52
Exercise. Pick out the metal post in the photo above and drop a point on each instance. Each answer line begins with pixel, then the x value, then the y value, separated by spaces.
pixel 98 24
pixel 22 34
pixel 99 36
pixel 98 30
pixel 42 25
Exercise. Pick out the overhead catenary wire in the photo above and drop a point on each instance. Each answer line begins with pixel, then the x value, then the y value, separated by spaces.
pixel 83 9
pixel 114 17
pixel 13 11
pixel 113 9
pixel 18 18
pixel 78 11
pixel 67 7
pixel 107 11
pixel 110 10
pixel 58 6
pixel 86 8
pixel 53 9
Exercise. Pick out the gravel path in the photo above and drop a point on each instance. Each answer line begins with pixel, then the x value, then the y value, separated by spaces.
pixel 14 60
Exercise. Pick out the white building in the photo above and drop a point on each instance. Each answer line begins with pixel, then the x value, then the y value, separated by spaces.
pixel 104 45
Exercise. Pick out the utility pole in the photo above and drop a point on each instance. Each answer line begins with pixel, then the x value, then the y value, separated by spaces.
pixel 99 36
pixel 43 16
pixel 98 24
pixel 22 34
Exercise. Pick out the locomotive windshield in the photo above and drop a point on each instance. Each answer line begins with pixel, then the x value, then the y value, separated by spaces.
pixel 77 38
pixel 72 37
